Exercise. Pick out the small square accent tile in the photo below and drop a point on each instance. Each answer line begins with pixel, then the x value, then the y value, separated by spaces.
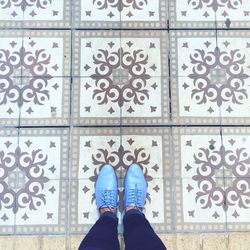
pixel 36 13
pixel 35 173
pixel 192 13
pixel 199 176
pixel 93 148
pixel 195 75
pixel 125 13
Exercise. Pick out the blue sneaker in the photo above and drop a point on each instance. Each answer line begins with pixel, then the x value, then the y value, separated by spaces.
pixel 135 187
pixel 106 189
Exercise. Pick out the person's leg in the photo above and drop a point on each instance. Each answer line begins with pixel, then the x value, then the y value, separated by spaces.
pixel 104 235
pixel 138 234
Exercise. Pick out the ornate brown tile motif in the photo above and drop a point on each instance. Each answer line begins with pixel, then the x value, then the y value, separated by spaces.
pixel 121 74
pixel 211 80
pixel 34 13
pixel 31 75
pixel 212 179
pixel 203 13
pixel 30 180
pixel 237 180
pixel 93 148
pixel 121 13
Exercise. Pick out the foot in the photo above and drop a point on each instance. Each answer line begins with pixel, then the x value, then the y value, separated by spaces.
pixel 135 187
pixel 106 190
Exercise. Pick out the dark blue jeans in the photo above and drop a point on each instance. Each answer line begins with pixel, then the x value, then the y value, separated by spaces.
pixel 138 234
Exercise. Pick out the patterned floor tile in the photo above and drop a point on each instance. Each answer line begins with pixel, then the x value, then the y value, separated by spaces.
pixel 30 81
pixel 232 13
pixel 148 50
pixel 95 101
pixel 117 13
pixel 45 101
pixel 8 141
pixel 48 53
pixel 195 94
pixel 144 14
pixel 145 101
pixel 119 77
pixel 97 13
pixel 11 42
pixel 93 148
pixel 209 13
pixel 199 171
pixel 96 53
pixel 233 57
pixel 34 178
pixel 236 143
pixel 35 13
pixel 193 13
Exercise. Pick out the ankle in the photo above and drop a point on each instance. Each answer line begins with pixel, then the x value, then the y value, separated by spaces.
pixel 107 209
pixel 133 208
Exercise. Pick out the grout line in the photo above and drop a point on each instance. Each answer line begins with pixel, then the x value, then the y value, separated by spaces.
pixel 68 215
pixel 130 126
pixel 135 29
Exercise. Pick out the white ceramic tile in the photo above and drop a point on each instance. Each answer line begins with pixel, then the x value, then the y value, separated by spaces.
pixel 45 100
pixel 234 56
pixel 192 13
pixel 199 183
pixel 93 148
pixel 10 77
pixel 194 90
pixel 125 13
pixel 35 13
pixel 8 144
pixel 48 53
pixel 35 171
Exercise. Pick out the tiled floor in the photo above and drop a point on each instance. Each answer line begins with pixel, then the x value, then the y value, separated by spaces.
pixel 165 84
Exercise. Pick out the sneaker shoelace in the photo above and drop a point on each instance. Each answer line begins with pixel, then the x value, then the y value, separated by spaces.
pixel 108 199
pixel 135 197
